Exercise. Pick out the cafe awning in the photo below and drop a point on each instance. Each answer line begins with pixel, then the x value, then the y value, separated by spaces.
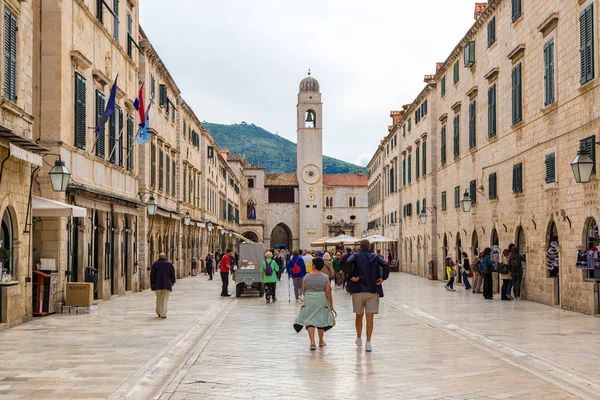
pixel 50 208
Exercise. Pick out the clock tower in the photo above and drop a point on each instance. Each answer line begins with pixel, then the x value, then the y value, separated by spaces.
pixel 309 168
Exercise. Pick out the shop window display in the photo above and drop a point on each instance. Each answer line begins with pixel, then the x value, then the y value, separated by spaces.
pixel 552 256
pixel 6 241
pixel 587 255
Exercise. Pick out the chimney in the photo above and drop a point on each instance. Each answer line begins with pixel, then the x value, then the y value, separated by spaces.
pixel 479 9
pixel 359 172
pixel 438 66
pixel 396 115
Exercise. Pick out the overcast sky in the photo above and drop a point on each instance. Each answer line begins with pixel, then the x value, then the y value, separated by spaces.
pixel 242 60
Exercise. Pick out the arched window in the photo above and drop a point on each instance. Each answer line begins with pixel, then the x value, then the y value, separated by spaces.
pixel 310 119
pixel 326 201
pixel 6 242
pixel 250 210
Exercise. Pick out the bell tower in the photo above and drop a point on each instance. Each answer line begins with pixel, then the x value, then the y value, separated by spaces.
pixel 309 168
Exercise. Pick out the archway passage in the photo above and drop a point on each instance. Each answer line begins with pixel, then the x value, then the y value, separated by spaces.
pixel 281 236
pixel 251 236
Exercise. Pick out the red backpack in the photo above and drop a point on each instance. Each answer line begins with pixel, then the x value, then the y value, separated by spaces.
pixel 296 269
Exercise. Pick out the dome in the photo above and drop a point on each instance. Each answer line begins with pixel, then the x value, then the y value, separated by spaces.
pixel 309 84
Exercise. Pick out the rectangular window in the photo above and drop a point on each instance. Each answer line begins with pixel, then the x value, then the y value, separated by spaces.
pixel 492 183
pixel 417 161
pixel 116 19
pixel 473 191
pixel 173 176
pixel 80 120
pixel 129 35
pixel 162 96
pixel 114 138
pixel 549 92
pixel 100 143
pixel 152 86
pixel 404 172
pixel 409 169
pixel 586 39
pixel 550 168
pixel 516 10
pixel 424 155
pixel 168 173
pixel 456 73
pixel 443 140
pixel 472 124
pixel 443 85
pixel 130 141
pixel 444 201
pixel 153 166
pixel 409 125
pixel 10 56
pixel 250 183
pixel 457 197
pixel 518 178
pixel 418 207
pixel 210 152
pixel 161 170
pixel 469 54
pixel 491 31
pixel 492 111
pixel 517 99
pixel 456 135
pixel 424 108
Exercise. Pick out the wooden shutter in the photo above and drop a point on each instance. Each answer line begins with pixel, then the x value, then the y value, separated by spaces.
pixel 492 192
pixel 424 162
pixel 492 111
pixel 551 168
pixel 456 72
pixel 80 120
pixel 161 170
pixel 443 201
pixel 588 146
pixel 473 191
pixel 112 129
pixel 130 143
pixel 586 50
pixel 456 197
pixel 404 172
pixel 417 163
pixel 184 185
pixel 409 168
pixel 516 9
pixel 153 166
pixel 424 206
pixel 549 73
pixel 472 125
pixel 162 96
pixel 443 85
pixel 152 85
pixel 174 174
pixel 443 155
pixel 517 102
pixel 10 56
pixel 120 136
pixel 116 19
pixel 418 208
pixel 168 174
pixel 491 31
pixel 518 178
pixel 100 140
pixel 456 135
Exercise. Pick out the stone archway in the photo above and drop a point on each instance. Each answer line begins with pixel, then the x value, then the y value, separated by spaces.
pixel 251 236
pixel 281 235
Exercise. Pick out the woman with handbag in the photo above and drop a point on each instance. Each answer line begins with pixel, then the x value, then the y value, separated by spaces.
pixel 465 265
pixel 317 312
pixel 451 272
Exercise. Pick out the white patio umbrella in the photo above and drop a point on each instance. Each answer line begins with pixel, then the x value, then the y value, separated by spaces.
pixel 320 242
pixel 342 239
pixel 379 239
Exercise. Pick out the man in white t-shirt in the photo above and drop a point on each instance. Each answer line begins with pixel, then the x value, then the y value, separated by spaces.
pixel 307 257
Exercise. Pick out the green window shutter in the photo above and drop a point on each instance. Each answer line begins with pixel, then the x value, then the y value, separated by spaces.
pixel 173 176
pixel 112 135
pixel 586 50
pixel 417 208
pixel 409 125
pixel 472 124
pixel 184 185
pixel 469 54
pixel 443 151
pixel 100 140
pixel 443 201
pixel 152 86
pixel 456 197
pixel 409 169
pixel 168 174
pixel 404 172
pixel 516 9
pixel 161 170
pixel 492 111
pixel 120 135
pixel 130 144
pixel 518 178
pixel 80 117
pixel 550 168
pixel 517 101
pixel 456 135
pixel 473 191
pixel 417 158
pixel 424 206
pixel 491 31
pixel 162 96
pixel 116 19
pixel 492 192
pixel 153 166
pixel 424 162
pixel 456 72
pixel 443 85
pixel 549 73
pixel 10 56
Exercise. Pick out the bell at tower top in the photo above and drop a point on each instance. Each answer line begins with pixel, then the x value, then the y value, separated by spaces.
pixel 309 84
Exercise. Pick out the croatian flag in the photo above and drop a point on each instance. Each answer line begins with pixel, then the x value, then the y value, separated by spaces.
pixel 143 135
pixel 110 106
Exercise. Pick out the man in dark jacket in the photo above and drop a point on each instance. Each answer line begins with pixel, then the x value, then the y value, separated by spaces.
pixel 162 279
pixel 369 270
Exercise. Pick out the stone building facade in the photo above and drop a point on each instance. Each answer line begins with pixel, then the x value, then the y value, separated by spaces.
pixel 510 108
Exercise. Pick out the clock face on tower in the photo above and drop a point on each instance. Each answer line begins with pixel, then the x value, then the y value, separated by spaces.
pixel 311 174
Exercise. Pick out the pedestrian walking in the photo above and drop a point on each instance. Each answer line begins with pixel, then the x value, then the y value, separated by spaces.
pixel 280 263
pixel 515 266
pixel 504 270
pixel 296 269
pixel 337 269
pixel 465 266
pixel 365 277
pixel 328 268
pixel 210 266
pixel 162 279
pixel 347 275
pixel 269 269
pixel 450 272
pixel 308 257
pixel 317 312
pixel 486 268
pixel 224 269
pixel 477 278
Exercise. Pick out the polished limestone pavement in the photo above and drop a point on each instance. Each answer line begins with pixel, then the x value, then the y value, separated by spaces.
pixel 428 344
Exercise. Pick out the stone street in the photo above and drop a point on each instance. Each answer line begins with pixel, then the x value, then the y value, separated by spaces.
pixel 428 344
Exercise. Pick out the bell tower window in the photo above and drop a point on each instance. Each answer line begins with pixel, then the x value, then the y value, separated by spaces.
pixel 310 120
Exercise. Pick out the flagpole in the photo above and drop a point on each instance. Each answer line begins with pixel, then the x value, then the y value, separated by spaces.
pixel 115 146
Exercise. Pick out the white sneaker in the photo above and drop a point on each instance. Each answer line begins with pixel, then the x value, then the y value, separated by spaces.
pixel 368 348
pixel 358 342
pixel 302 298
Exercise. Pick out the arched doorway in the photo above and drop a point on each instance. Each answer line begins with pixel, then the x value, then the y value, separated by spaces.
pixel 590 242
pixel 474 244
pixel 251 236
pixel 553 260
pixel 281 235
pixel 6 244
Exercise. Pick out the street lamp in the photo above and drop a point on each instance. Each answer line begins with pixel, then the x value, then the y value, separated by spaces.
pixel 392 227
pixel 423 217
pixel 187 219
pixel 377 230
pixel 209 226
pixel 582 166
pixel 466 203
pixel 152 205
pixel 59 176
pixel 364 234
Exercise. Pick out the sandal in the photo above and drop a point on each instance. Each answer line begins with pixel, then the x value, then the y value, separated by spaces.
pixel 313 347
pixel 322 344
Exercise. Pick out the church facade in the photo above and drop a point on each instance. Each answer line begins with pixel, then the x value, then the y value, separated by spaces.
pixel 299 208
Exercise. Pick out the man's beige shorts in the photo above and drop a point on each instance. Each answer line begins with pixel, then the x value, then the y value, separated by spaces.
pixel 365 302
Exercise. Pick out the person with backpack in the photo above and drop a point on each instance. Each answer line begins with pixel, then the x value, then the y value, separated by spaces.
pixel 296 270
pixel 269 269
pixel 450 272
pixel 465 266
pixel 515 266
pixel 486 269
pixel 504 271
